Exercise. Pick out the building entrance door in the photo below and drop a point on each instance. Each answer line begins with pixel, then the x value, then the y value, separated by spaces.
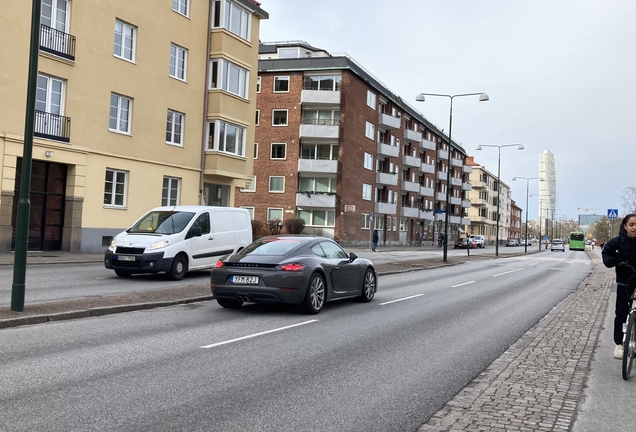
pixel 48 186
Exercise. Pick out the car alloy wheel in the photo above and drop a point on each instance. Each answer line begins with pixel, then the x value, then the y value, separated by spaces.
pixel 315 296
pixel 369 286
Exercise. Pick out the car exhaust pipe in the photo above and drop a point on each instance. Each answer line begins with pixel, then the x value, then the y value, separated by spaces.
pixel 243 298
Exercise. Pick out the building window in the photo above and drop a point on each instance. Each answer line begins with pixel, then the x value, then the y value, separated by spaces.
pixel 258 84
pixel 368 161
pixel 278 151
pixel 367 191
pixel 275 213
pixel 227 76
pixel 322 82
pixel 255 151
pixel 174 128
pixel 120 113
pixel 124 41
pixel 257 118
pixel 318 217
pixel 181 6
pixel 317 184
pixel 226 137
pixel 250 185
pixel 250 211
pixel 170 191
pixel 370 131
pixel 403 224
pixel 365 223
pixel 54 14
pixel 279 118
pixel 321 117
pixel 277 184
pixel 178 62
pixel 371 100
pixel 319 151
pixel 115 188
pixel 49 97
pixel 232 17
pixel 281 84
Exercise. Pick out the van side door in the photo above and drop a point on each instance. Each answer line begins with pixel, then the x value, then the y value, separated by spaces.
pixel 224 233
pixel 202 247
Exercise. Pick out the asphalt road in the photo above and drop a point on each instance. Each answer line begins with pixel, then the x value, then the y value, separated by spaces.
pixel 383 366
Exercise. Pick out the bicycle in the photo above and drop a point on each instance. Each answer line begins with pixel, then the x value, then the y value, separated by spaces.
pixel 419 241
pixel 629 328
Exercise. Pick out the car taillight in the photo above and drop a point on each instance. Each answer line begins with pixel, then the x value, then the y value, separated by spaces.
pixel 218 264
pixel 293 267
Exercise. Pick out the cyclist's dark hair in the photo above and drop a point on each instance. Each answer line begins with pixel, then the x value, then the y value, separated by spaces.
pixel 626 218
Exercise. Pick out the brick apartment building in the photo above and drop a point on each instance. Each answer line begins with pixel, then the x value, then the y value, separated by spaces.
pixel 337 148
pixel 515 221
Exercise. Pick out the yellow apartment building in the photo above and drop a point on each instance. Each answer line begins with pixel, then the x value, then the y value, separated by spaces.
pixel 138 104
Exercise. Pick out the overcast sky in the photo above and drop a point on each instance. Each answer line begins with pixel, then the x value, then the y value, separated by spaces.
pixel 561 76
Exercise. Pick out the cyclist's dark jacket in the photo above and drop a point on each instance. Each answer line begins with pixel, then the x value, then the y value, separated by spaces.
pixel 620 249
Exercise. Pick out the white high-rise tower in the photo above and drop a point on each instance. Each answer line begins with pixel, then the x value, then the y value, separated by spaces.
pixel 548 191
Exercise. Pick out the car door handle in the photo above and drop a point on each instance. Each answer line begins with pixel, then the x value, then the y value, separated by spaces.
pixel 336 268
pixel 210 238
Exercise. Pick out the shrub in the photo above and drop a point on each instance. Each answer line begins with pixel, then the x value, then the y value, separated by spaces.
pixel 257 225
pixel 294 225
pixel 274 226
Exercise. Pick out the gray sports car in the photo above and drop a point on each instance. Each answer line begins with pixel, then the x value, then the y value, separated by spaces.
pixel 303 270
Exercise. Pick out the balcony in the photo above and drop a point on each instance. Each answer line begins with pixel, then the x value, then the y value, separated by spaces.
pixel 320 128
pixel 479 219
pixel 467 186
pixel 387 121
pixel 466 204
pixel 467 169
pixel 455 200
pixel 442 154
pixel 442 176
pixel 386 179
pixel 320 97
pixel 52 126
pixel 388 150
pixel 456 181
pixel 427 215
pixel 427 168
pixel 409 186
pixel 456 162
pixel 480 202
pixel 306 200
pixel 56 42
pixel 465 221
pixel 440 196
pixel 479 185
pixel 412 136
pixel 428 145
pixel 440 216
pixel 411 161
pixel 427 191
pixel 410 212
pixel 317 166
pixel 455 219
pixel 385 208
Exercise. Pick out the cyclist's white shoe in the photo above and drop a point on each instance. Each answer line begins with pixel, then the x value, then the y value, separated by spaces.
pixel 618 352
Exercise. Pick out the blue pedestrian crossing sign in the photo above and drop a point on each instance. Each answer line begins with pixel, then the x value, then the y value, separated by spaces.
pixel 612 214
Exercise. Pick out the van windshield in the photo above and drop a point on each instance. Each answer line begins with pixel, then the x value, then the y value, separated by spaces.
pixel 161 222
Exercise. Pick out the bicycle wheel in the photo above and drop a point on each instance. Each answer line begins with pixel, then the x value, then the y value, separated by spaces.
pixel 629 346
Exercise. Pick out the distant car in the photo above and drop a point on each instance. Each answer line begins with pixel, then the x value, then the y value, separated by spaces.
pixel 303 270
pixel 479 240
pixel 512 243
pixel 462 243
pixel 526 242
pixel 557 245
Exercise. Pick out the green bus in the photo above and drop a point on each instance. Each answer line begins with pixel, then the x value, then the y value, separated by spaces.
pixel 577 241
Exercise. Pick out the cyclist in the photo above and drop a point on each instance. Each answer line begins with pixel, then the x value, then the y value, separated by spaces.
pixel 616 251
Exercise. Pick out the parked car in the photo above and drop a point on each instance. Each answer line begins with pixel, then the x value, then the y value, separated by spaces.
pixel 557 245
pixel 512 243
pixel 479 240
pixel 303 270
pixel 462 243
pixel 524 242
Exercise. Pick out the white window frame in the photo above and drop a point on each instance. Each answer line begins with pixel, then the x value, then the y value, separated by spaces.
pixel 269 189
pixel 371 99
pixel 52 18
pixel 174 118
pixel 281 78
pixel 250 211
pixel 178 54
pixel 127 33
pixel 50 105
pixel 365 223
pixel 114 182
pixel 368 161
pixel 367 192
pixel 228 11
pixel 120 114
pixel 221 126
pixel 369 130
pixel 181 7
pixel 258 84
pixel 257 118
pixel 271 150
pixel 332 186
pixel 252 188
pixel 286 117
pixel 329 214
pixel 269 211
pixel 168 199
pixel 230 77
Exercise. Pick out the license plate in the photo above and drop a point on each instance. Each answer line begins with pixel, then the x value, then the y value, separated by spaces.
pixel 125 258
pixel 246 280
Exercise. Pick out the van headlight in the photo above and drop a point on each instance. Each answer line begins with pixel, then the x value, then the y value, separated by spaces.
pixel 160 244
pixel 113 244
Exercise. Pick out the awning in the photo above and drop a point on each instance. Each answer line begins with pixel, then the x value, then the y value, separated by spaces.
pixel 461 230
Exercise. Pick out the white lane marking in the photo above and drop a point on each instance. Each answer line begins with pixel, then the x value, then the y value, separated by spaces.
pixel 405 298
pixel 569 262
pixel 511 271
pixel 461 284
pixel 257 334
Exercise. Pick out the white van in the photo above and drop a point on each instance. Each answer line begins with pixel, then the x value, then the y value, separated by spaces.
pixel 177 239
pixel 480 240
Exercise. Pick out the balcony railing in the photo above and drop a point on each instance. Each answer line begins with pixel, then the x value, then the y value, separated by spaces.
pixel 52 126
pixel 57 42
pixel 321 122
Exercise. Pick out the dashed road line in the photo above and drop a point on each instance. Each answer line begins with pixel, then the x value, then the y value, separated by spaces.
pixel 258 334
pixel 400 299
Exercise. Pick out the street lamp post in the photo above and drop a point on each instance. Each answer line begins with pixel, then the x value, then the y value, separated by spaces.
pixel 527 179
pixel 541 217
pixel 421 98
pixel 519 147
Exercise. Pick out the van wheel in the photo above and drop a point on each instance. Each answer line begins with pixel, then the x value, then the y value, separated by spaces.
pixel 123 274
pixel 178 268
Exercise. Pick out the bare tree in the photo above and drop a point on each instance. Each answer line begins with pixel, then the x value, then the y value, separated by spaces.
pixel 628 200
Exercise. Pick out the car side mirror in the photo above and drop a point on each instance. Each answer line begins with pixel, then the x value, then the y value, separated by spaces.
pixel 352 257
pixel 196 231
